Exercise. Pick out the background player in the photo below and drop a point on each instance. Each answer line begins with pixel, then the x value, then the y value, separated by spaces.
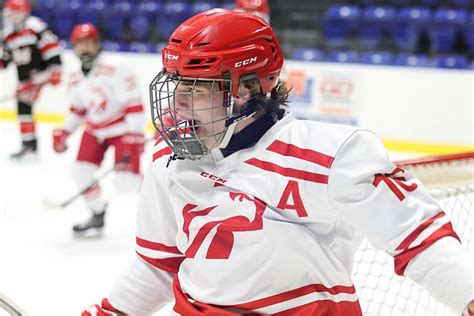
pixel 34 49
pixel 258 7
pixel 262 213
pixel 106 97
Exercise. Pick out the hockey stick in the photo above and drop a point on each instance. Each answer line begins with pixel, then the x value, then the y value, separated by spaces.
pixel 11 308
pixel 63 204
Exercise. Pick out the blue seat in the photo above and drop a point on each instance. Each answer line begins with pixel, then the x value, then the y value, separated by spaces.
pixel 198 7
pixel 142 47
pixel 172 15
pixel 343 56
pixel 411 21
pixel 117 17
pixel 462 3
pixel 470 30
pixel 308 54
pixel 91 12
pixel 160 46
pixel 447 23
pixel 140 26
pixel 431 3
pixel 113 46
pixel 63 21
pixel 452 62
pixel 339 22
pixel 377 22
pixel 414 60
pixel 377 58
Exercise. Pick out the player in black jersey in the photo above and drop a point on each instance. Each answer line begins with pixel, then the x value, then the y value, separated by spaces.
pixel 28 43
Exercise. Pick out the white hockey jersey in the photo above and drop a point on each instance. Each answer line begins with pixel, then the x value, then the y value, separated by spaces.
pixel 272 229
pixel 108 99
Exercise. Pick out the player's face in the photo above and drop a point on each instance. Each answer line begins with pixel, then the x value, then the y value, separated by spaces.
pixel 14 17
pixel 202 105
pixel 86 47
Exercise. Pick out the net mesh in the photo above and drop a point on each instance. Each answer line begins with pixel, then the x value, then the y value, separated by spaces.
pixel 450 180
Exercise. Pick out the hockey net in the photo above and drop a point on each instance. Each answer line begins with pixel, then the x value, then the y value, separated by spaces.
pixel 450 180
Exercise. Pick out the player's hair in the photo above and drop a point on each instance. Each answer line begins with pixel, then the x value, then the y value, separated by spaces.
pixel 272 104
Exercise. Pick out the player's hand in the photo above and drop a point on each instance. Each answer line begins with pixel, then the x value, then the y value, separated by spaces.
pixel 28 91
pixel 59 140
pixel 104 309
pixel 133 143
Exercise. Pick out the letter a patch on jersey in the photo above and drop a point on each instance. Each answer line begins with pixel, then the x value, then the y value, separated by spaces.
pixel 292 192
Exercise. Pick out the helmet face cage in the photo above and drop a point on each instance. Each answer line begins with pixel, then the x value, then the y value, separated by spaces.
pixel 193 129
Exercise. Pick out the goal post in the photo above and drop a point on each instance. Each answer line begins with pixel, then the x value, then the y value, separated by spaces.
pixel 450 180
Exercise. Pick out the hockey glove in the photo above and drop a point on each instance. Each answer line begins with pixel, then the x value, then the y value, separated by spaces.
pixel 59 140
pixel 105 309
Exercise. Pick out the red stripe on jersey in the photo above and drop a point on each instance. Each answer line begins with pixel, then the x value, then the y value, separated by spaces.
pixel 76 111
pixel 162 152
pixel 48 47
pixel 324 308
pixel 157 246
pixel 289 295
pixel 134 109
pixel 27 127
pixel 25 32
pixel 402 260
pixel 106 124
pixel 166 264
pixel 410 238
pixel 288 172
pixel 310 155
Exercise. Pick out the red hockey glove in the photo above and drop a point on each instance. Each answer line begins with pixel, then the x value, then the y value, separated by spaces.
pixel 28 91
pixel 59 140
pixel 133 143
pixel 105 309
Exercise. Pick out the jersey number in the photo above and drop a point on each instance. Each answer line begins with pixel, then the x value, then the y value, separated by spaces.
pixel 223 240
pixel 391 180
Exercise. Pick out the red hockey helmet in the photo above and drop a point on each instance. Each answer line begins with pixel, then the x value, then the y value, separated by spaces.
pixel 84 31
pixel 252 6
pixel 208 50
pixel 209 45
pixel 18 5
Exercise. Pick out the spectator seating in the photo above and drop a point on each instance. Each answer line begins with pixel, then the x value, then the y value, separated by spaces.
pixel 339 22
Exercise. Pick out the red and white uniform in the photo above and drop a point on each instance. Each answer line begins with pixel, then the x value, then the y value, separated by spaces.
pixel 273 229
pixel 108 100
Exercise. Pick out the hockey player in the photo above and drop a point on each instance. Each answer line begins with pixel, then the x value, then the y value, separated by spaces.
pixel 246 210
pixel 258 7
pixel 34 49
pixel 106 97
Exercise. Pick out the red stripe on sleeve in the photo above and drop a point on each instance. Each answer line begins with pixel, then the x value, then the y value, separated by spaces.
pixel 288 172
pixel 162 152
pixel 402 260
pixel 47 47
pixel 410 238
pixel 134 109
pixel 157 246
pixel 167 264
pixel 310 155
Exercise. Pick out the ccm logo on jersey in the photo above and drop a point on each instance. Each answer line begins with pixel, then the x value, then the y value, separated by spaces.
pixel 213 178
pixel 244 62
pixel 171 56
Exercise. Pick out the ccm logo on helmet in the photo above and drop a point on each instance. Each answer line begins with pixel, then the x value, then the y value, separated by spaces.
pixel 245 62
pixel 171 56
